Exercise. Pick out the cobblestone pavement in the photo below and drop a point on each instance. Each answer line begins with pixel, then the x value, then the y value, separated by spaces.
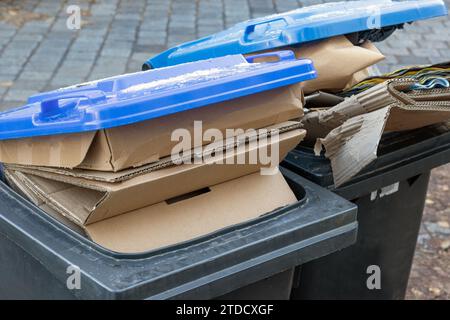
pixel 38 52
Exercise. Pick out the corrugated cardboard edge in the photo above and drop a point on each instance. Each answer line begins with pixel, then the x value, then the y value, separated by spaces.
pixel 354 145
pixel 37 193
pixel 161 164
pixel 320 123
pixel 15 181
pixel 389 93
pixel 102 208
pixel 17 185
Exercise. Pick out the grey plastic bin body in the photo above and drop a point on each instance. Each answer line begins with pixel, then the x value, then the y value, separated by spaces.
pixel 36 250
pixel 390 195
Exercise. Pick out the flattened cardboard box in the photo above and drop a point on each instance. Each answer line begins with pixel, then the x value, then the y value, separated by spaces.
pixel 148 141
pixel 87 200
pixel 168 223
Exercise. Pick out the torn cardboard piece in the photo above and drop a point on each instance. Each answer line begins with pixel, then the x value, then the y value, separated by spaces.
pixel 410 109
pixel 86 201
pixel 173 222
pixel 149 141
pixel 338 62
pixel 353 145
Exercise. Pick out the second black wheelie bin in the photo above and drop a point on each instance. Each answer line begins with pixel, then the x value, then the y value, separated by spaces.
pixel 390 194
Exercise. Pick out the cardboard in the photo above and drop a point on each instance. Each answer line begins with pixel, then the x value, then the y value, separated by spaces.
pixel 353 145
pixel 15 180
pixel 321 100
pixel 148 141
pixel 167 161
pixel 168 223
pixel 88 199
pixel 338 62
pixel 408 109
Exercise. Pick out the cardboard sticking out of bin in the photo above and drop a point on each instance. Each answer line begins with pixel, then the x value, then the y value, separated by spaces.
pixel 413 108
pixel 169 161
pixel 86 198
pixel 338 62
pixel 144 142
pixel 353 129
pixel 184 218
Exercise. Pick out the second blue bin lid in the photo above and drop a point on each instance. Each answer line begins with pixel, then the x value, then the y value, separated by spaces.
pixel 300 26
pixel 131 98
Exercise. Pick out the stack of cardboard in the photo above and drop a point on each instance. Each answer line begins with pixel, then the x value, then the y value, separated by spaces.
pixel 126 190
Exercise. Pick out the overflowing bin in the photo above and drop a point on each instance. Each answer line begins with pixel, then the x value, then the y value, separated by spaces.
pixel 93 161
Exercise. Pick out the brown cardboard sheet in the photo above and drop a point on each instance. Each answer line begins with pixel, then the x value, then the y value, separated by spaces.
pixel 353 145
pixel 149 141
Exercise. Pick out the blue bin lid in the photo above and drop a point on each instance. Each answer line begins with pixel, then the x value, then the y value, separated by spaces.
pixel 299 26
pixel 131 98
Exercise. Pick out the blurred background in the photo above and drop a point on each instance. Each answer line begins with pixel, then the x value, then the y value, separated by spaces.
pixel 39 51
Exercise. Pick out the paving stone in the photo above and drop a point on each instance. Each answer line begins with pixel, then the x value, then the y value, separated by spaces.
pixel 20 95
pixel 115 52
pixel 2 92
pixel 33 85
pixel 12 61
pixel 413 60
pixel 28 74
pixel 6 105
pixel 11 70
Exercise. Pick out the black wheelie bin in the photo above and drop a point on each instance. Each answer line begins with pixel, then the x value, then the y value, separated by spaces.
pixel 390 194
pixel 37 253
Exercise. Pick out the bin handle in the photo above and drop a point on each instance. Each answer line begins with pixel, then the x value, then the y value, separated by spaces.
pixel 50 107
pixel 284 55
pixel 249 29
